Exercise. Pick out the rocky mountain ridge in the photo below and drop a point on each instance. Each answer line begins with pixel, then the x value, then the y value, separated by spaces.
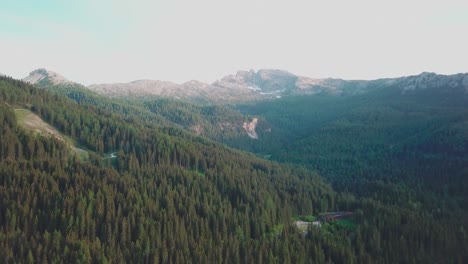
pixel 270 84
pixel 43 75
pixel 243 86
pixel 253 85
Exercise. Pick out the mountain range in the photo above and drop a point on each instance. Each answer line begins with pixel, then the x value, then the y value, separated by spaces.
pixel 158 172
pixel 264 84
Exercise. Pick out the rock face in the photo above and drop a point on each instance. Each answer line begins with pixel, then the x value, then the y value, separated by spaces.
pixel 251 127
pixel 429 80
pixel 43 75
pixel 263 81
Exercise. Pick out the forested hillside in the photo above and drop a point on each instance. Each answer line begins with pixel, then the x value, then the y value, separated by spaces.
pixel 404 149
pixel 419 137
pixel 218 123
pixel 170 196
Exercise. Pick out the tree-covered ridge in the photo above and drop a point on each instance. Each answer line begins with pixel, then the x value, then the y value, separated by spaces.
pixel 164 190
pixel 405 150
pixel 174 197
pixel 417 138
pixel 218 123
pixel 384 134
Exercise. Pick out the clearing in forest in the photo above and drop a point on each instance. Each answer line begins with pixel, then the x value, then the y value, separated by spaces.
pixel 33 122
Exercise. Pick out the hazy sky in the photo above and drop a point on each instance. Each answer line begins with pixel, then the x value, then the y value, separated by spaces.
pixel 92 41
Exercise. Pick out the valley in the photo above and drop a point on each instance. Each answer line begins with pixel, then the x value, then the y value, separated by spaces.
pixel 234 132
pixel 257 176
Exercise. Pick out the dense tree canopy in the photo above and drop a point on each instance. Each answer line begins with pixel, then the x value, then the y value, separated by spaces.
pixel 170 196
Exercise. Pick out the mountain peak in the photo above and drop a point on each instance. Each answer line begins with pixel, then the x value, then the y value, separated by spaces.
pixel 251 85
pixel 428 73
pixel 42 74
pixel 273 72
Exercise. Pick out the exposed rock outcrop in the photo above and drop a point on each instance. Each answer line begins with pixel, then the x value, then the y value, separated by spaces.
pixel 42 74
pixel 430 80
pixel 250 128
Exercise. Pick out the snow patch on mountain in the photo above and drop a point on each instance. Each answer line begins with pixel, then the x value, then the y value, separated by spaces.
pixel 270 93
pixel 254 88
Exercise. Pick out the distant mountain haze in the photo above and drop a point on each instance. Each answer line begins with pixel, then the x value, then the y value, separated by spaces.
pixel 253 85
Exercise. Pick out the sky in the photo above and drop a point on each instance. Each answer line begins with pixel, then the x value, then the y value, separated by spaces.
pixel 101 41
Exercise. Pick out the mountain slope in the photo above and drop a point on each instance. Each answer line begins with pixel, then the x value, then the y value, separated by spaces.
pixel 90 211
pixel 409 131
pixel 31 122
pixel 244 86
pixel 268 84
pixel 248 86
pixel 215 122
pixel 171 196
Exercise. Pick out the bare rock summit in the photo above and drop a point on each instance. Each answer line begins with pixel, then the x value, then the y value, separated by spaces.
pixel 42 75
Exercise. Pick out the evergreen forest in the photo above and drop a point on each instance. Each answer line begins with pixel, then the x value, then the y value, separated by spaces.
pixel 166 181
